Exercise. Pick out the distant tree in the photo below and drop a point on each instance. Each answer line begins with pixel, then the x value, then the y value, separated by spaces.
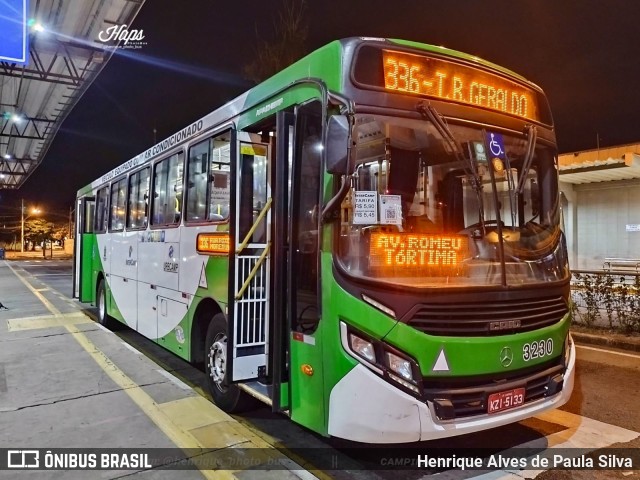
pixel 37 230
pixel 60 232
pixel 287 46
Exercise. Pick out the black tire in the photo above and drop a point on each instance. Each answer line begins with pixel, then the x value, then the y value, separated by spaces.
pixel 228 397
pixel 104 318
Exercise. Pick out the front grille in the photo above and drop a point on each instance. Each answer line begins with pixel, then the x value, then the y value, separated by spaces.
pixel 472 400
pixel 488 319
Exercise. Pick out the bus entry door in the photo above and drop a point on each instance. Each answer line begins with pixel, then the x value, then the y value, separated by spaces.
pixel 250 286
pixel 83 286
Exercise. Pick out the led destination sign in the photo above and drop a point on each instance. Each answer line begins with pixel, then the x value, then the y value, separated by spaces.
pixel 213 243
pixel 403 251
pixel 435 77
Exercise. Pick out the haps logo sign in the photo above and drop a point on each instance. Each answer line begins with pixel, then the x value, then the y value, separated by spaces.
pixel 121 33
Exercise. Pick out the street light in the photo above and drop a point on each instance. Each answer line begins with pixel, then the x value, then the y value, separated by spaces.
pixel 35 211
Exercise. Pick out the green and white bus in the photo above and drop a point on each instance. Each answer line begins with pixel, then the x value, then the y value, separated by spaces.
pixel 369 241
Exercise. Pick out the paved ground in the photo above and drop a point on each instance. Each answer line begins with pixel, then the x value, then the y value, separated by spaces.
pixel 65 382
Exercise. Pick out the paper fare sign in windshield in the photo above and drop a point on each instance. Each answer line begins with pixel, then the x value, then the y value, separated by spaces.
pixel 367 203
pixel 365 208
pixel 391 209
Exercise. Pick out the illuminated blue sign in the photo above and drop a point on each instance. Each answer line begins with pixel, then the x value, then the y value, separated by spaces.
pixel 495 144
pixel 14 40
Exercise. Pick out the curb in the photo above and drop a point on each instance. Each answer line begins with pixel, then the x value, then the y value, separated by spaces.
pixel 13 257
pixel 588 338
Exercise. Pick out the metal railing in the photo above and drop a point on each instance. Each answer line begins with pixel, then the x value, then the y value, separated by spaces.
pixel 622 263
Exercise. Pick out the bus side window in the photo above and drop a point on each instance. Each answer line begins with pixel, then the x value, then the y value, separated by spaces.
pixel 102 212
pixel 89 216
pixel 307 180
pixel 138 199
pixel 167 191
pixel 219 178
pixel 253 190
pixel 208 185
pixel 197 182
pixel 118 199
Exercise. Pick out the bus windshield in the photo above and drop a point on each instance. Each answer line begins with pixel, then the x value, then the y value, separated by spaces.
pixel 420 215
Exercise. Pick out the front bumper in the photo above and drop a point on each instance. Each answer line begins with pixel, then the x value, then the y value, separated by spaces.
pixel 365 408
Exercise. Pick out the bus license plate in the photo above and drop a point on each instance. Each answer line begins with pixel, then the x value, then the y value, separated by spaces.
pixel 505 400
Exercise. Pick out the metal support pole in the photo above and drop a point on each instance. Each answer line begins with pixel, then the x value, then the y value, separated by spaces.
pixel 22 229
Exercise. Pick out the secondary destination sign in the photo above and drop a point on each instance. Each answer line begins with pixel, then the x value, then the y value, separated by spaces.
pixel 415 253
pixel 14 41
pixel 439 78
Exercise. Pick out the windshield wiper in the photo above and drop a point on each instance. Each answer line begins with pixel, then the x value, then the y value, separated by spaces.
pixel 532 136
pixel 511 185
pixel 429 112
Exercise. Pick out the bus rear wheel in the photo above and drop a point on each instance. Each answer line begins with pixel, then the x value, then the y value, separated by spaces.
pixel 228 397
pixel 104 318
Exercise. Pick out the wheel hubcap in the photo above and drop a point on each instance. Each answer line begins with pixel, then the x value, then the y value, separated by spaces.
pixel 218 361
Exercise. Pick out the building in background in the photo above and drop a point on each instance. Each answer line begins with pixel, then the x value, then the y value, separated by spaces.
pixel 601 204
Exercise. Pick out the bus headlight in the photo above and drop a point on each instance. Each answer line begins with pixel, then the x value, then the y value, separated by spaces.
pixel 400 370
pixel 400 366
pixel 388 362
pixel 362 347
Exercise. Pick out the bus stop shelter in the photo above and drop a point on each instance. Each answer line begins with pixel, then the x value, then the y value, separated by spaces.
pixel 64 55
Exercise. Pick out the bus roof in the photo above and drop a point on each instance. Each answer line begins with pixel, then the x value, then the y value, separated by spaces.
pixel 325 63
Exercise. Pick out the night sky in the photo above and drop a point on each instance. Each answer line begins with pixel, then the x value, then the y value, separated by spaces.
pixel 585 54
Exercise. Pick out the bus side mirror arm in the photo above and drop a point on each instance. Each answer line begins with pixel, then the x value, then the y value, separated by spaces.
pixel 333 205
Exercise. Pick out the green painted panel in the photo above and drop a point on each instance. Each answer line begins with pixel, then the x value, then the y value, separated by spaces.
pixel 294 96
pixel 284 395
pixel 96 264
pixel 324 63
pixel 310 396
pixel 217 276
pixel 87 290
pixel 112 305
pixel 307 394
pixel 476 356
pixel 178 340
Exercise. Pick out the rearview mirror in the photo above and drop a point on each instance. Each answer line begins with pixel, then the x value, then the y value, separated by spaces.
pixel 338 137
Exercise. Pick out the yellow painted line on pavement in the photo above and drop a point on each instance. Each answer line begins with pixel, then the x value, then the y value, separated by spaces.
pixel 192 422
pixel 584 432
pixel 47 321
pixel 612 352
pixel 35 291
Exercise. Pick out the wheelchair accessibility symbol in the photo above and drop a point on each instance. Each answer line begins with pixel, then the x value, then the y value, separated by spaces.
pixel 496 144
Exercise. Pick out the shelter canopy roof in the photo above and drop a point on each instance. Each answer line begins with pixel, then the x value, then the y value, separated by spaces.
pixel 64 60
pixel 600 165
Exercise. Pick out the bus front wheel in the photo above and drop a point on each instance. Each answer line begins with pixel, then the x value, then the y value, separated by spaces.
pixel 104 318
pixel 228 397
